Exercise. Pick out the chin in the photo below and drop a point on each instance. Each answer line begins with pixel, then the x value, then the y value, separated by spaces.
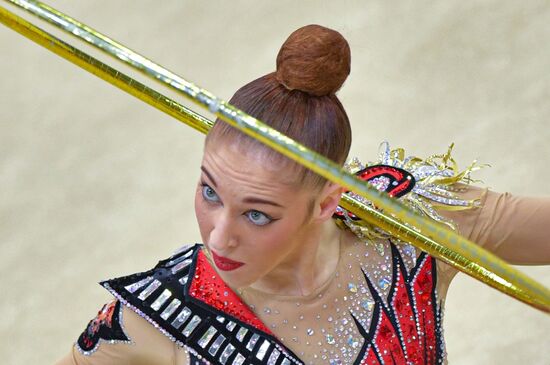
pixel 235 280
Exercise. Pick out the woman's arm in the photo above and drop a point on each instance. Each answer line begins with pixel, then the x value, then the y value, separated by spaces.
pixel 515 228
pixel 146 345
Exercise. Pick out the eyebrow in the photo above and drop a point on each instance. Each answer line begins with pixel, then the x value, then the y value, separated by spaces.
pixel 261 201
pixel 209 176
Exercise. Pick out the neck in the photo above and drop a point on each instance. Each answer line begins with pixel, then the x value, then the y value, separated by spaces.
pixel 308 266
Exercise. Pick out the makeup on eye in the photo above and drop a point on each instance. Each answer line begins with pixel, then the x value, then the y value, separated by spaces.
pixel 255 216
pixel 259 218
pixel 208 193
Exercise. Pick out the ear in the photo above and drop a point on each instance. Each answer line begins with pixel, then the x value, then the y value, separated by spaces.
pixel 328 201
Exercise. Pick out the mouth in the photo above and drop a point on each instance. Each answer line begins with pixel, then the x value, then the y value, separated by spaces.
pixel 225 264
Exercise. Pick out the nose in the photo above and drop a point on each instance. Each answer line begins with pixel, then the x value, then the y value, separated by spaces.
pixel 222 236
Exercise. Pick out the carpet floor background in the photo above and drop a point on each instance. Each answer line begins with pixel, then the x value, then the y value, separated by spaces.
pixel 96 184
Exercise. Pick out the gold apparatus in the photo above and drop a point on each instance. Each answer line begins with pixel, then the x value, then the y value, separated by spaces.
pixel 393 216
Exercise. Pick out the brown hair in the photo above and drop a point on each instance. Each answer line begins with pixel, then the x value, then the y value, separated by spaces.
pixel 299 100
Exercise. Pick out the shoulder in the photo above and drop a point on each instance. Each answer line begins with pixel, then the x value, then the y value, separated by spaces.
pixel 124 330
pixel 117 335
pixel 158 296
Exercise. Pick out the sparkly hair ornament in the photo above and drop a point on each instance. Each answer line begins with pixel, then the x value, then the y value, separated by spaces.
pixel 421 184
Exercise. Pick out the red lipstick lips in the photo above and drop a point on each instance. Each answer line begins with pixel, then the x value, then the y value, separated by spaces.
pixel 225 264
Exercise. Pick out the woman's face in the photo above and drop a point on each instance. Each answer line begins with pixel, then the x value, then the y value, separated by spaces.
pixel 250 219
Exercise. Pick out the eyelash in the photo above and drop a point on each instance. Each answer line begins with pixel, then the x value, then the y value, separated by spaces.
pixel 247 213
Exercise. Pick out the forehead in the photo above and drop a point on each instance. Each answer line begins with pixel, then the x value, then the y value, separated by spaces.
pixel 230 161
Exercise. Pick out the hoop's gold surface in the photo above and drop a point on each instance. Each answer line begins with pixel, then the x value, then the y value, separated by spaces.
pixel 400 221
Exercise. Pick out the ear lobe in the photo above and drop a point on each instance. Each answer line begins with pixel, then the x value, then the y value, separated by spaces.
pixel 331 195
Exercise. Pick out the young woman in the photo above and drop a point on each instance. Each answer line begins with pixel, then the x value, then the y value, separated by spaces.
pixel 286 276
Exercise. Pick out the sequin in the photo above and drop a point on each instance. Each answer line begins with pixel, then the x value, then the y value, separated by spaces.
pixel 384 282
pixel 252 342
pixel 231 326
pixel 162 298
pixel 170 309
pixel 353 342
pixel 180 266
pixel 179 259
pixel 181 318
pixel 132 288
pixel 216 345
pixel 227 352
pixel 241 333
pixel 207 336
pixel 408 250
pixel 149 290
pixel 272 360
pixel 190 327
pixel 239 360
pixel 262 351
pixel 367 304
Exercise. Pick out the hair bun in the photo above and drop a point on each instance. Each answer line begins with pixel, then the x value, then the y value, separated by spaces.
pixel 314 59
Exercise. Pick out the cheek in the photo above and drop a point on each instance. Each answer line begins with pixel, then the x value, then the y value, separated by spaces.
pixel 277 241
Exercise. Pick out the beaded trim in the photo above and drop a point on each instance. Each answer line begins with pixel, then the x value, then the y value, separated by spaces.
pixel 154 323
pixel 120 322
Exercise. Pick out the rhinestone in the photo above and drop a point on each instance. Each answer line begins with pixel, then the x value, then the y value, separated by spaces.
pixel 216 345
pixel 252 342
pixel 193 323
pixel 384 282
pixel 408 250
pixel 353 342
pixel 239 360
pixel 367 304
pixel 352 287
pixel 132 288
pixel 149 290
pixel 226 353
pixel 162 298
pixel 263 350
pixel 230 326
pixel 241 333
pixel 310 332
pixel 170 309
pixel 207 336
pixel 180 266
pixel 273 357
pixel 181 318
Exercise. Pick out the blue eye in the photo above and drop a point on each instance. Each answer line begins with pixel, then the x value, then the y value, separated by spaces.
pixel 209 194
pixel 258 218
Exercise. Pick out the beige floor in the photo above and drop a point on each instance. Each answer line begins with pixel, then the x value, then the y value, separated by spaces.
pixel 95 184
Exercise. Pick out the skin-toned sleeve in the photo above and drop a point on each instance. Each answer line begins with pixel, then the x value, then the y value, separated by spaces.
pixel 515 228
pixel 147 346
